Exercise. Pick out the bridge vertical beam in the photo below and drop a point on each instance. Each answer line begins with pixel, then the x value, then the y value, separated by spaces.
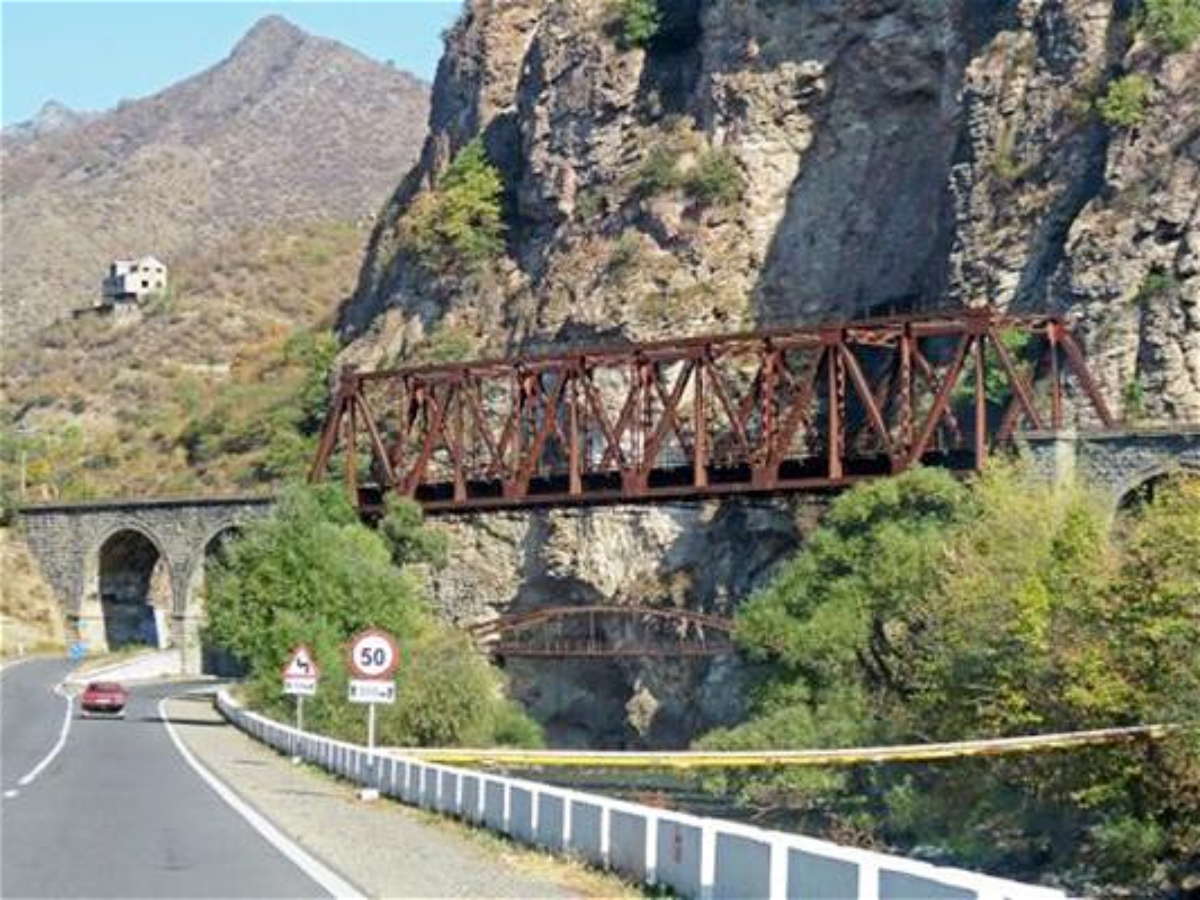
pixel 834 396
pixel 351 440
pixel 575 475
pixel 981 435
pixel 699 422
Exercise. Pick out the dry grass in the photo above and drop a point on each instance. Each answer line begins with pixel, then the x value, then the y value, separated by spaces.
pixel 30 617
pixel 113 398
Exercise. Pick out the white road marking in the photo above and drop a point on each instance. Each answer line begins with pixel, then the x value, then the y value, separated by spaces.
pixel 11 794
pixel 37 770
pixel 306 862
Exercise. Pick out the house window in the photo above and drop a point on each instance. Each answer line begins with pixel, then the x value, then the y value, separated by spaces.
pixel 145 284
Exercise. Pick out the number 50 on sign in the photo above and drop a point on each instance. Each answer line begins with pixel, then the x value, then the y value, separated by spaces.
pixel 374 655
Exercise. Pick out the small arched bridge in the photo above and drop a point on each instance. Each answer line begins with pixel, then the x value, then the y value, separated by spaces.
pixel 132 571
pixel 605 631
pixel 775 410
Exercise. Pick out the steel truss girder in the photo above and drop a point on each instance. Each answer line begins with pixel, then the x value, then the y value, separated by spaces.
pixel 586 631
pixel 775 410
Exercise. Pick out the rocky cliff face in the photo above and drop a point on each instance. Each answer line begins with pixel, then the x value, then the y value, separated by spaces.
pixel 867 156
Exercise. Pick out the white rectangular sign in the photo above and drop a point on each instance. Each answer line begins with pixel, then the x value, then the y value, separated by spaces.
pixel 302 687
pixel 363 691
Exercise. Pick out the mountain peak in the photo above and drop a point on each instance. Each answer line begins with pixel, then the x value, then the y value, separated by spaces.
pixel 270 34
pixel 54 117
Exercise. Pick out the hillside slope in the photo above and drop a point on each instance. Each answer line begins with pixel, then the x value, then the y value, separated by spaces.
pixel 289 127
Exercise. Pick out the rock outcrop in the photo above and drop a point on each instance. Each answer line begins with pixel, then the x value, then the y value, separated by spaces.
pixel 771 162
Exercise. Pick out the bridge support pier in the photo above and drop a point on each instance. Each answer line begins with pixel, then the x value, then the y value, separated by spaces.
pixel 185 634
pixel 88 624
pixel 1113 463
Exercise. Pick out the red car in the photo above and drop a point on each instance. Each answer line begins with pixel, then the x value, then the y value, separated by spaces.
pixel 104 697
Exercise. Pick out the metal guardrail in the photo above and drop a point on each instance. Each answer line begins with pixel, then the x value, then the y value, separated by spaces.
pixel 704 858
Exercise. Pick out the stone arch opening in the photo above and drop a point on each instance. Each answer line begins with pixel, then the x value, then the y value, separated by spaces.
pixel 135 590
pixel 1142 489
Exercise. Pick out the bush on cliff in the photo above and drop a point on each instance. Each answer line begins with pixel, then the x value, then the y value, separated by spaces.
pixel 312 574
pixel 1172 24
pixel 456 227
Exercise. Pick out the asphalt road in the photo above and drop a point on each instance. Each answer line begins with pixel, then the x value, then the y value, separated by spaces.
pixel 118 812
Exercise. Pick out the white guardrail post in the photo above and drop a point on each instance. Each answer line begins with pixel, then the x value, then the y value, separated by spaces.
pixel 702 858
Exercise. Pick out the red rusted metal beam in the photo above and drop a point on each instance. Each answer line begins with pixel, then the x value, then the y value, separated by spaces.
pixel 777 410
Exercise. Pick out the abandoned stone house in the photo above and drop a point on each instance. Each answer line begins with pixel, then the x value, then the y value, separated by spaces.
pixel 133 281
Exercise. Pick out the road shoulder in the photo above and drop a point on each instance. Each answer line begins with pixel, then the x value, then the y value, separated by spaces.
pixel 386 849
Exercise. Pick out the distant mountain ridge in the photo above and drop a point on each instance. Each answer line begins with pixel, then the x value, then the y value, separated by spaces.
pixel 288 127
pixel 53 118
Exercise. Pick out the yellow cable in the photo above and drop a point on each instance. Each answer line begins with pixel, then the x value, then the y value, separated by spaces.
pixel 738 759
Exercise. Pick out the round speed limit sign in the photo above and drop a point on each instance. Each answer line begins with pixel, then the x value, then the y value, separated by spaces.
pixel 374 654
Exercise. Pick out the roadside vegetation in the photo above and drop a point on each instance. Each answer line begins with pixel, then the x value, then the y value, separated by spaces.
pixel 924 609
pixel 313 574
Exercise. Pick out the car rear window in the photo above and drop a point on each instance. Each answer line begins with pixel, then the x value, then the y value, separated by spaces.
pixel 106 687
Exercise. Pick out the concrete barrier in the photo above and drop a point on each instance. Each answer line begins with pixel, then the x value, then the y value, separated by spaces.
pixel 630 842
pixel 521 813
pixel 470 807
pixel 447 801
pixel 697 857
pixel 552 823
pixel 589 830
pixel 495 804
pixel 684 846
pixel 742 865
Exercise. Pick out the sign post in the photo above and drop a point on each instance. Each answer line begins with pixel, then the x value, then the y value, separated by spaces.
pixel 374 657
pixel 300 676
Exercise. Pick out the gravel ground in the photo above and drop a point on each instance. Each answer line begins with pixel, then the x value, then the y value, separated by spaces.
pixel 384 848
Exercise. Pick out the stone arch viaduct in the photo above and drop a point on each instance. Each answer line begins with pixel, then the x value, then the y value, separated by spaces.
pixel 93 553
pixel 175 537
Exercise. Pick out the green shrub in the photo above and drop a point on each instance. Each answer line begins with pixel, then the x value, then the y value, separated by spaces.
pixel 924 609
pixel 625 251
pixel 637 22
pixel 1134 397
pixel 659 171
pixel 715 180
pixel 457 227
pixel 409 541
pixel 313 574
pixel 1124 104
pixel 449 342
pixel 1155 284
pixel 1173 25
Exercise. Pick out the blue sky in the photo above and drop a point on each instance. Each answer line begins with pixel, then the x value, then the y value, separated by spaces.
pixel 91 54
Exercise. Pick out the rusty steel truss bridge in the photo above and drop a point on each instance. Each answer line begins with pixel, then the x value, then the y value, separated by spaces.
pixel 770 411
pixel 605 631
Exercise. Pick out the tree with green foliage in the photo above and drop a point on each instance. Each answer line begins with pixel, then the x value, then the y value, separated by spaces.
pixel 457 226
pixel 1124 104
pixel 409 540
pixel 926 610
pixel 313 574
pixel 1174 25
pixel 274 422
pixel 637 22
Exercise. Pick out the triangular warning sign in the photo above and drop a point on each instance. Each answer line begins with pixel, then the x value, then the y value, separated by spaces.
pixel 301 664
